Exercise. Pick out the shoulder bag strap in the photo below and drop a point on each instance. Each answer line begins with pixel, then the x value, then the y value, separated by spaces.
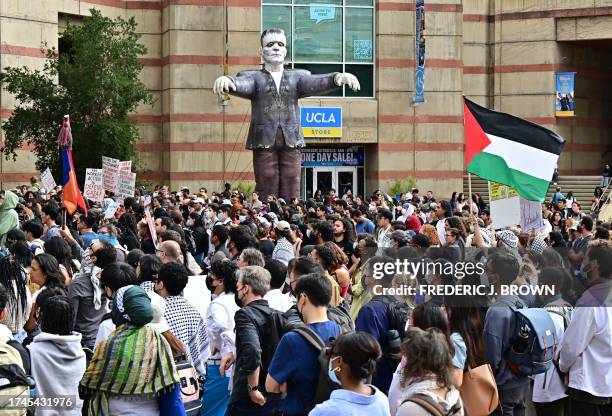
pixel 311 337
pixel 426 403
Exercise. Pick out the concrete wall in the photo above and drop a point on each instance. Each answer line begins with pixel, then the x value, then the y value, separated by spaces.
pixel 501 53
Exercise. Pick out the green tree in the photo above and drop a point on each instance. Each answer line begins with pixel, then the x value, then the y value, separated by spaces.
pixel 95 80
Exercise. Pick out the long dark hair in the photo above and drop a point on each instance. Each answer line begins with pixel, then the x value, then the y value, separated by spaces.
pixel 12 278
pixel 467 321
pixel 51 270
pixel 59 248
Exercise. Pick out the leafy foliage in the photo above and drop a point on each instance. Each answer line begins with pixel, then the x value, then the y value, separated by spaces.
pixel 400 186
pixel 98 86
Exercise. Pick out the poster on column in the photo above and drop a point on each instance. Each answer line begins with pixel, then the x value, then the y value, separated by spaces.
pixel 564 102
pixel 505 206
pixel 110 176
pixel 94 187
pixel 419 53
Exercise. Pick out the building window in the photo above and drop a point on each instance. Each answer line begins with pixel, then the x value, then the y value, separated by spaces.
pixel 327 36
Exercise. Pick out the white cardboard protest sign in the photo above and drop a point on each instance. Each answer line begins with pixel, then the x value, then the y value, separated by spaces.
pixel 111 209
pixel 125 166
pixel 126 184
pixel 505 206
pixel 47 180
pixel 110 176
pixel 94 188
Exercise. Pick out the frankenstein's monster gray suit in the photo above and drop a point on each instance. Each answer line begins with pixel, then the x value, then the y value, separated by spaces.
pixel 275 135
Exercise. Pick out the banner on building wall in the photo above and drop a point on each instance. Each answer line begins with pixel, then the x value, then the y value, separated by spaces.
pixel 332 156
pixel 419 53
pixel 564 102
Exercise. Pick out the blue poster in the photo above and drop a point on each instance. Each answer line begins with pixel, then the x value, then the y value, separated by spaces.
pixel 419 53
pixel 564 101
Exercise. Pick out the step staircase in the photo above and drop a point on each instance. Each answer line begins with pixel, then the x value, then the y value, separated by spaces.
pixel 582 186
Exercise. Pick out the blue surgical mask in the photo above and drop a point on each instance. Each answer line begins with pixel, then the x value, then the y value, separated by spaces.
pixel 331 373
pixel 242 218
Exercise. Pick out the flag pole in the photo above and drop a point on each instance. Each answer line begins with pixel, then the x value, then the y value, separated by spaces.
pixel 470 190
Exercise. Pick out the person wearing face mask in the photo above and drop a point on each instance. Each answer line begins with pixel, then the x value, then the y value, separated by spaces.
pixel 299 377
pixel 353 359
pixel 113 278
pixel 86 295
pixel 252 356
pixel 585 351
pixel 221 281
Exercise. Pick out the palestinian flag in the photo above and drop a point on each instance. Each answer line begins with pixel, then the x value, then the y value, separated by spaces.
pixel 506 149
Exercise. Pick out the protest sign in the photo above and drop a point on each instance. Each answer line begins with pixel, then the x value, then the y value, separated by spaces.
pixel 111 209
pixel 94 189
pixel 505 206
pixel 47 180
pixel 110 176
pixel 126 184
pixel 531 216
pixel 151 225
pixel 125 166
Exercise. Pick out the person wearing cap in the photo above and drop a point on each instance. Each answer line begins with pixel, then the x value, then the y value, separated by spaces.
pixel 111 383
pixel 399 239
pixel 283 251
pixel 198 205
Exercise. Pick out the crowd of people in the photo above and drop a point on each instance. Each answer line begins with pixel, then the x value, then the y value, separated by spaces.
pixel 189 303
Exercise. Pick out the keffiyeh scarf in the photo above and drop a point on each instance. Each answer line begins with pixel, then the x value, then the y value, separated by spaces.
pixel 134 362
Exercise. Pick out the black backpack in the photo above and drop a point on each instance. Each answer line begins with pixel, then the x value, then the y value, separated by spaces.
pixel 398 313
pixel 269 337
pixel 324 385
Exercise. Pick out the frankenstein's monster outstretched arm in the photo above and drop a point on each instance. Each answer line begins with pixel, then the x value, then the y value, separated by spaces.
pixel 310 85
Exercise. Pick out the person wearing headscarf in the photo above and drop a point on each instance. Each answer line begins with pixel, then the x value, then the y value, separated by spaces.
pixel 9 219
pixel 134 367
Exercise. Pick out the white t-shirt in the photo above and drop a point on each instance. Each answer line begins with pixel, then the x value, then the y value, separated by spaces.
pixel 279 301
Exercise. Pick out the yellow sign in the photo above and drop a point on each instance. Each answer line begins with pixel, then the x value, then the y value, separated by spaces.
pixel 498 191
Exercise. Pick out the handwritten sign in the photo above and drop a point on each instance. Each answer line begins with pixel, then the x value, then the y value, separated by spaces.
pixel 126 184
pixel 531 215
pixel 111 209
pixel 110 177
pixel 125 166
pixel 47 180
pixel 94 188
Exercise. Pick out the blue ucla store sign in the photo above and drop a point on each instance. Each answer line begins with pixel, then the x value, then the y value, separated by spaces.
pixel 321 121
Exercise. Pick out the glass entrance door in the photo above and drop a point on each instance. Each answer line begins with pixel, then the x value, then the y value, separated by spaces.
pixel 346 178
pixel 324 179
pixel 339 178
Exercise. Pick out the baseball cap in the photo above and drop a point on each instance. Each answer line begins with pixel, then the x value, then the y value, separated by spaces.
pixel 199 201
pixel 282 226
